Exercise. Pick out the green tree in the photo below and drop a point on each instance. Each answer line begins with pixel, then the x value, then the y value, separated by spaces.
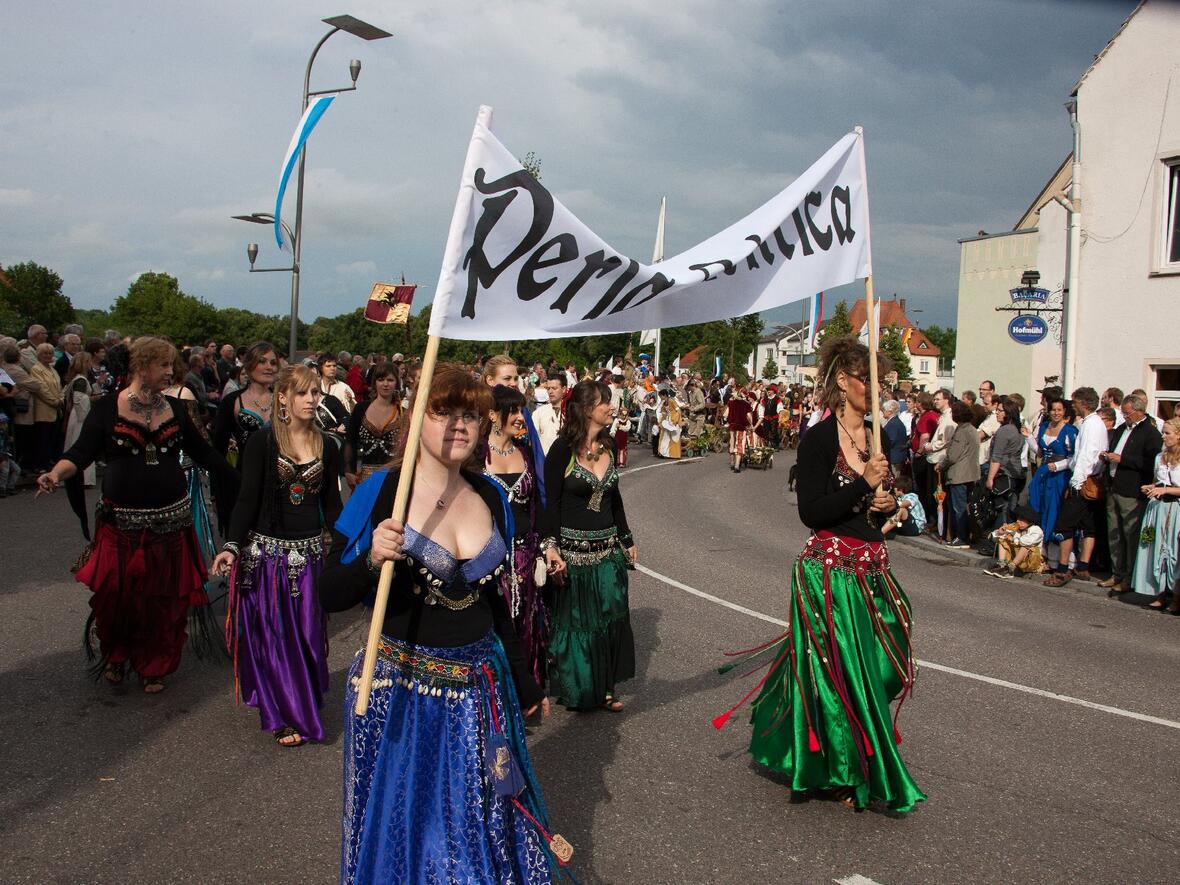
pixel 892 347
pixel 532 164
pixel 839 324
pixel 155 305
pixel 32 294
pixel 94 322
pixel 770 370
pixel 945 340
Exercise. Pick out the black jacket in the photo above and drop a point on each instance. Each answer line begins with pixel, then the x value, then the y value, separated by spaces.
pixel 1137 467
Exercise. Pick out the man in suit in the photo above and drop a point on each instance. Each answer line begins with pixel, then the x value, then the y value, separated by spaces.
pixel 1130 466
pixel 894 437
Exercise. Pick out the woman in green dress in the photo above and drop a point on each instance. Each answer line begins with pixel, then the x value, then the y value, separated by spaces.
pixel 588 548
pixel 822 714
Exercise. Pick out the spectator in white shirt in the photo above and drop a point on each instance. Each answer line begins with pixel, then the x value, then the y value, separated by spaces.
pixel 549 417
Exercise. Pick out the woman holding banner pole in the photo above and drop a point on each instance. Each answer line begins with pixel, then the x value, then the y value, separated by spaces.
pixel 438 785
pixel 822 714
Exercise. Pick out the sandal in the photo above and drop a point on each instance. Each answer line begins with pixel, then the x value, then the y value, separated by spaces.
pixel 1058 579
pixel 113 674
pixel 152 685
pixel 289 738
pixel 613 704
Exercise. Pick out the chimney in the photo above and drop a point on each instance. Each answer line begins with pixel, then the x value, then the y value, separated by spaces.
pixel 902 307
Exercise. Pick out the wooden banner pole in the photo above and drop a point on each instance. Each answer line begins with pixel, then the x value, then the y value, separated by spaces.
pixel 401 503
pixel 874 387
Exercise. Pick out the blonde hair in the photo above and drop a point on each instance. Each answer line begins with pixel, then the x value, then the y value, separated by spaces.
pixel 491 367
pixel 294 380
pixel 147 350
pixel 79 366
pixel 1172 453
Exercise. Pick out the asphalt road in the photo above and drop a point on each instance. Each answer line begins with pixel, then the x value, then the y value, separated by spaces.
pixel 109 785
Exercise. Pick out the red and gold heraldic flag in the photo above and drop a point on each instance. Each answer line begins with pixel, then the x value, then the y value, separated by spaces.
pixel 389 303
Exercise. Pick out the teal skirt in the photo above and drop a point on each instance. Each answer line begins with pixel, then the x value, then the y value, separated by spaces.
pixel 592 649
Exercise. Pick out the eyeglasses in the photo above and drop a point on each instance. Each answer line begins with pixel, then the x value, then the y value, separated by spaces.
pixel 448 417
pixel 860 378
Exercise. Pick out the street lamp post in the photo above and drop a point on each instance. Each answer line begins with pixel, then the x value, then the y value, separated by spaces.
pixel 252 248
pixel 365 31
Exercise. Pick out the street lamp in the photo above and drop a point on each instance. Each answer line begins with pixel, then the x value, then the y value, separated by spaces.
pixel 252 248
pixel 365 31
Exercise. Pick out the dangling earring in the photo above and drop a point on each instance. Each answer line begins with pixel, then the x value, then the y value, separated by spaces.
pixel 284 415
pixel 843 400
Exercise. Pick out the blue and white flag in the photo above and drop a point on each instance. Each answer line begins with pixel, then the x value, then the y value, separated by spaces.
pixel 311 116
pixel 817 317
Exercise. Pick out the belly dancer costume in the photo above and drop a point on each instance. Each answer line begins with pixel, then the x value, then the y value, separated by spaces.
pixel 438 784
pixel 519 581
pixel 370 448
pixel 822 715
pixel 232 428
pixel 275 627
pixel 144 568
pixel 593 648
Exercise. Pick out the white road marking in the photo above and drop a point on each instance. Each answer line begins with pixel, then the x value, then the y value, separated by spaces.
pixel 627 470
pixel 856 879
pixel 942 668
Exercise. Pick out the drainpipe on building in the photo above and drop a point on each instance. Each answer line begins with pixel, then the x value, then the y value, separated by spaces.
pixel 1073 258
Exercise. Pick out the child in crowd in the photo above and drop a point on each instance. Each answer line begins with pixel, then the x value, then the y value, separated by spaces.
pixel 9 469
pixel 910 518
pixel 1018 545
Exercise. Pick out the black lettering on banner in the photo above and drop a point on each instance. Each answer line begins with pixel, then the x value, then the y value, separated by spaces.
pixel 658 283
pixel 788 249
pixel 764 248
pixel 597 264
pixel 823 238
pixel 615 288
pixel 799 226
pixel 528 286
pixel 480 271
pixel 844 232
pixel 726 265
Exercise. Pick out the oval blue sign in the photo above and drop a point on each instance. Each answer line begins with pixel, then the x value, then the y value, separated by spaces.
pixel 1027 329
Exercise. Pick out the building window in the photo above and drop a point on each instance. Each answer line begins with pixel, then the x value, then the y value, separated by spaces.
pixel 1167 391
pixel 924 366
pixel 1172 220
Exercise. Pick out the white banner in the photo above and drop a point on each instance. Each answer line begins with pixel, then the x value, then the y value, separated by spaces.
pixel 519 265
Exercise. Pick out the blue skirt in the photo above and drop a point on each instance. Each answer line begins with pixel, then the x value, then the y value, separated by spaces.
pixel 419 806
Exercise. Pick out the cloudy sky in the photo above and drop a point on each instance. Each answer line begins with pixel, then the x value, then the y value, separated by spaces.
pixel 130 131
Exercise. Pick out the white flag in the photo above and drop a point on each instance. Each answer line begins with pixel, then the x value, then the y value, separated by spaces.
pixel 863 337
pixel 519 265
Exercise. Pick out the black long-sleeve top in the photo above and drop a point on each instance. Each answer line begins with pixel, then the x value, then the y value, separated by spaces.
pixel 407 616
pixel 232 424
pixel 126 446
pixel 832 497
pixel 363 444
pixel 569 488
pixel 265 502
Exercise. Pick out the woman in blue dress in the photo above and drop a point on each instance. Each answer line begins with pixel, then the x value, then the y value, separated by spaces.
pixel 438 786
pixel 1056 441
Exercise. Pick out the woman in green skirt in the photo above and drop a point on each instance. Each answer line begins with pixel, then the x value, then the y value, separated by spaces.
pixel 822 715
pixel 588 548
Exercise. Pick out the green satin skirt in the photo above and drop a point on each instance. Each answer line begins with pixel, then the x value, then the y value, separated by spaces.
pixel 823 717
pixel 592 648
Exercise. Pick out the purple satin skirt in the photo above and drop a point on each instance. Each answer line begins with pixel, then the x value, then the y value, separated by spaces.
pixel 525 602
pixel 276 633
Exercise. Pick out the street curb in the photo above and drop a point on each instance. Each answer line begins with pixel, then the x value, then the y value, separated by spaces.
pixel 971 558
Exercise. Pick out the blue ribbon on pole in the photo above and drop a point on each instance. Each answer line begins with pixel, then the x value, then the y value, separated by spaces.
pixel 307 123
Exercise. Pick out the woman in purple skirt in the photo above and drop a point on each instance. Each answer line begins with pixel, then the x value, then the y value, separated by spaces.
pixel 275 627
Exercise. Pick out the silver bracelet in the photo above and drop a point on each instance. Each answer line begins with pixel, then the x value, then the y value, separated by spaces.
pixel 231 547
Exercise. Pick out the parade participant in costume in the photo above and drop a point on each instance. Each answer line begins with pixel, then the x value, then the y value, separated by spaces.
pixel 822 713
pixel 244 412
pixel 336 401
pixel 501 370
pixel 275 628
pixel 696 407
pixel 768 428
pixel 670 420
pixel 739 417
pixel 588 546
pixel 1157 559
pixel 620 425
pixel 373 428
pixel 202 523
pixel 509 463
pixel 427 768
pixel 144 568
pixel 1056 440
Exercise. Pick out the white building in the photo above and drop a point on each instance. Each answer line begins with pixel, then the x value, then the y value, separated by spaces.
pixel 1126 264
pixel 790 348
